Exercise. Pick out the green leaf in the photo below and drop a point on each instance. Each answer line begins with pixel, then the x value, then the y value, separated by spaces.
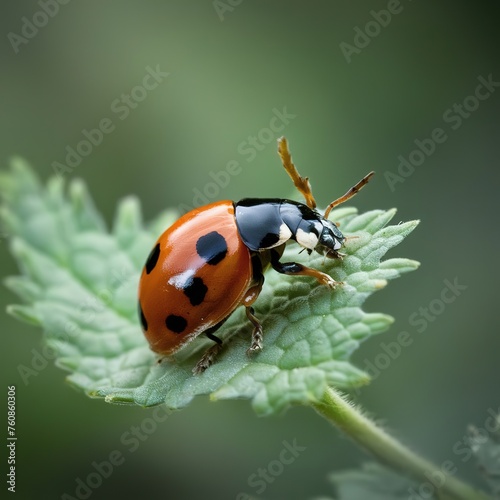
pixel 486 448
pixel 79 282
pixel 373 481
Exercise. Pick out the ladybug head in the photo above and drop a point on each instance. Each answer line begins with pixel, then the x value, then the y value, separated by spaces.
pixel 330 240
pixel 321 235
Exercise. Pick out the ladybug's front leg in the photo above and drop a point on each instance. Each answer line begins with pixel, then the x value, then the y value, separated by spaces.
pixel 293 268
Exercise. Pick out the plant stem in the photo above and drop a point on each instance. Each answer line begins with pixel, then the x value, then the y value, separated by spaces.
pixel 336 409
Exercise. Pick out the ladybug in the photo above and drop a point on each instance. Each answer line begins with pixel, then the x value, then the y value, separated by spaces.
pixel 213 259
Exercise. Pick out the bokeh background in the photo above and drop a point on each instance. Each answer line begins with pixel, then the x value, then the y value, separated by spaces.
pixel 350 109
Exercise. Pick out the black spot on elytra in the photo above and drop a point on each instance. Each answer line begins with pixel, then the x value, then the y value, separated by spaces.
pixel 152 258
pixel 212 247
pixel 195 290
pixel 176 324
pixel 144 323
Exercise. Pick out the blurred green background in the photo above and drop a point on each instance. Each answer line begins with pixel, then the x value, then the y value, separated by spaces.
pixel 351 108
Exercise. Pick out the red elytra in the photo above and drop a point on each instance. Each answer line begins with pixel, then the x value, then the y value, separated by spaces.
pixel 194 278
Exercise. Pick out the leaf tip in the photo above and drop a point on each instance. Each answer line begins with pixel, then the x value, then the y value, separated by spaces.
pixel 25 314
pixel 128 215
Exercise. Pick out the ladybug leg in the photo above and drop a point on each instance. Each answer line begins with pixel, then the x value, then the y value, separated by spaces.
pixel 301 183
pixel 259 262
pixel 256 344
pixel 210 354
pixel 208 358
pixel 293 268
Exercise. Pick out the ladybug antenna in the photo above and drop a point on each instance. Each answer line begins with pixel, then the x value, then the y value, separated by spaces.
pixel 301 183
pixel 349 194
